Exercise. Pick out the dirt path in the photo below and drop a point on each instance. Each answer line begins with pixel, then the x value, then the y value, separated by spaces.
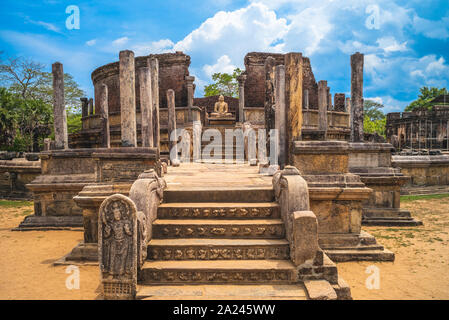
pixel 421 267
pixel 420 271
pixel 26 270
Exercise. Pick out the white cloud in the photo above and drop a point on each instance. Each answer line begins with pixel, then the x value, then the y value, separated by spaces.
pixel 389 44
pixel 120 41
pixel 223 65
pixel 432 29
pixel 308 28
pixel 91 43
pixel 234 33
pixel 46 25
pixel 161 46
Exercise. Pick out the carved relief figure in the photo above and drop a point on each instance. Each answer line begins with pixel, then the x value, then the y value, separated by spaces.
pixel 117 239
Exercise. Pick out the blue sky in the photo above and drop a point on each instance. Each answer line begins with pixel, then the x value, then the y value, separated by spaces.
pixel 406 43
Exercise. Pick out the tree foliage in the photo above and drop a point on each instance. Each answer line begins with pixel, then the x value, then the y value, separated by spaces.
pixel 224 83
pixel 26 112
pixel 374 119
pixel 426 94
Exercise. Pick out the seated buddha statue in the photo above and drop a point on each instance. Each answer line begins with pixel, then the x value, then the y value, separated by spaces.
pixel 220 109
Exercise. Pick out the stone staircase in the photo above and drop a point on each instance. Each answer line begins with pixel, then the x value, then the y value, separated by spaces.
pixel 212 241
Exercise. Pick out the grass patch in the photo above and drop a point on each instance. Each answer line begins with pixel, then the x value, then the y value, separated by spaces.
pixel 424 197
pixel 14 204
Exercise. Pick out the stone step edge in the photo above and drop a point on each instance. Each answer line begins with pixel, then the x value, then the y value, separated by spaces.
pixel 360 255
pixel 230 292
pixel 217 249
pixel 220 222
pixel 218 210
pixel 218 272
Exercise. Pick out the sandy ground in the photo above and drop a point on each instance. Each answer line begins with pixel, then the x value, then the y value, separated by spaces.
pixel 421 266
pixel 26 270
pixel 420 271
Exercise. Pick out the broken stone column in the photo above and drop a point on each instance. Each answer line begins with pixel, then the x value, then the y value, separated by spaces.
pixel 90 107
pixel 84 107
pixel 293 98
pixel 189 85
pixel 146 106
pixel 357 97
pixel 329 99
pixel 154 70
pixel 172 127
pixel 322 105
pixel 197 129
pixel 241 79
pixel 59 112
pixel 280 115
pixel 117 241
pixel 128 99
pixel 104 113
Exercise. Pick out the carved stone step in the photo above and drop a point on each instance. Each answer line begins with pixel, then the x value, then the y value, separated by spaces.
pixel 218 249
pixel 224 271
pixel 222 292
pixel 243 194
pixel 215 210
pixel 247 229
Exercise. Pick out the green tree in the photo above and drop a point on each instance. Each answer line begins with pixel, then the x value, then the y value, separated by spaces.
pixel 374 119
pixel 426 94
pixel 8 118
pixel 224 83
pixel 26 104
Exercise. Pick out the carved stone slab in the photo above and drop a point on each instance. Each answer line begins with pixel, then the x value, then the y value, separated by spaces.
pixel 178 276
pixel 164 231
pixel 279 252
pixel 223 212
pixel 117 245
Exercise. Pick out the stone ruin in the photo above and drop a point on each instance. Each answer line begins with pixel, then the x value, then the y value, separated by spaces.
pixel 420 139
pixel 109 178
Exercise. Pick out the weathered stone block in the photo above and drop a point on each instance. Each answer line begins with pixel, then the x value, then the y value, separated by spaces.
pixel 305 237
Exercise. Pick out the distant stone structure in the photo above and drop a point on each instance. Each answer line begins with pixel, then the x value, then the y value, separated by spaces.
pixel 421 129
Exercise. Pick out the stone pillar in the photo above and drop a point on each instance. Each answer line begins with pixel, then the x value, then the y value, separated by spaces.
pixel 293 98
pixel 357 97
pixel 270 62
pixel 59 113
pixel 104 113
pixel 84 107
pixel 146 106
pixel 280 115
pixel 128 99
pixel 154 70
pixel 329 99
pixel 172 124
pixel 241 79
pixel 197 130
pixel 189 85
pixel 322 105
pixel 306 99
pixel 90 107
